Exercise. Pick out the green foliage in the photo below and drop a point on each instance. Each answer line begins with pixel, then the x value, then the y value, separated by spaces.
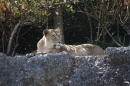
pixel 65 1
pixel 2 18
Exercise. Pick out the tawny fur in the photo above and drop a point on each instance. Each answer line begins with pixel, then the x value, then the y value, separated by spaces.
pixel 51 38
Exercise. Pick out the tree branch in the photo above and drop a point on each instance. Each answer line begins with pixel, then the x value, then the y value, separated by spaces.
pixel 11 37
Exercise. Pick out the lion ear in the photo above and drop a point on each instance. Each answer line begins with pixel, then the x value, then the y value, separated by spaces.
pixel 45 32
pixel 57 29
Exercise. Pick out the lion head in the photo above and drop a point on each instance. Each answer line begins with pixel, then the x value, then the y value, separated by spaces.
pixel 52 38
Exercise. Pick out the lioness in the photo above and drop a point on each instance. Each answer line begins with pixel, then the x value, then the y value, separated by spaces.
pixel 51 42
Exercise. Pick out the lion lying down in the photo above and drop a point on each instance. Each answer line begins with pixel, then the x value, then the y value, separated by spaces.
pixel 51 43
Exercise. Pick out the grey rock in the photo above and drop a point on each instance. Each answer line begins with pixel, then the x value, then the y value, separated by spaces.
pixel 61 69
pixel 118 54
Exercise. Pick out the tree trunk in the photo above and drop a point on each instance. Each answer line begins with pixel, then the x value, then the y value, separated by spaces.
pixel 58 21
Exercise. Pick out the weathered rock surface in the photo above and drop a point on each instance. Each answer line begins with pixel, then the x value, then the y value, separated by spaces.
pixel 61 69
pixel 118 55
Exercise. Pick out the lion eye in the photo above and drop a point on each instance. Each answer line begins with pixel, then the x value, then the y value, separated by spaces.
pixel 54 36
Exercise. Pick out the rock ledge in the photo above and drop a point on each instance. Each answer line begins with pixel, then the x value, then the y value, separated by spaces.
pixel 61 69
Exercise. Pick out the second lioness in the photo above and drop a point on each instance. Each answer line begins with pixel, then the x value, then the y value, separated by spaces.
pixel 51 43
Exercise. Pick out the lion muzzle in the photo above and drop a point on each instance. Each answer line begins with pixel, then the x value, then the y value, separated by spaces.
pixel 57 46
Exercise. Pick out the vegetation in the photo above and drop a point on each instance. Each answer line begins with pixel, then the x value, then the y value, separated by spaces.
pixel 102 22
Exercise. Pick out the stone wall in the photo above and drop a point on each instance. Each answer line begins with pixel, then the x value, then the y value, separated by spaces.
pixel 61 69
